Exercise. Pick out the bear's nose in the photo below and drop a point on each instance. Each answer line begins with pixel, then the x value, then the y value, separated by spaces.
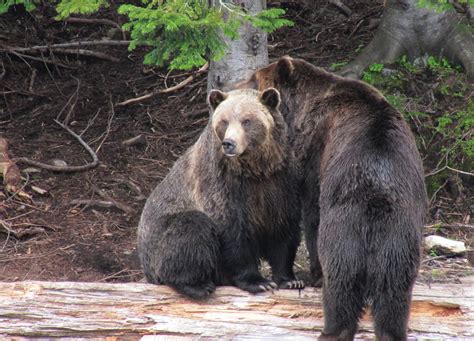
pixel 229 146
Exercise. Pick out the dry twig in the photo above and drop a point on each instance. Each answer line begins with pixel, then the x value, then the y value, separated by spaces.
pixel 166 91
pixel 7 228
pixel 32 80
pixel 109 125
pixel 66 169
pixel 127 209
pixel 453 226
pixel 93 202
pixel 42 60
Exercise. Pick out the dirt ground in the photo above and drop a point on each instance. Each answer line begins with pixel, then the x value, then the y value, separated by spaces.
pixel 56 236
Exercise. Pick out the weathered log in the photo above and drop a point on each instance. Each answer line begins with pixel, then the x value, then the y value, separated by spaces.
pixel 66 309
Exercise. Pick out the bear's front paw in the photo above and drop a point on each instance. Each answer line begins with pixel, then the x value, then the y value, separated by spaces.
pixel 257 286
pixel 292 284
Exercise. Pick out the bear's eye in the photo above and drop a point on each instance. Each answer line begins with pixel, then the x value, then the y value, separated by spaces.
pixel 225 123
pixel 246 123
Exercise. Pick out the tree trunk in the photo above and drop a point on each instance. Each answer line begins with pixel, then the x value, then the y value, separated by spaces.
pixel 407 29
pixel 62 309
pixel 244 55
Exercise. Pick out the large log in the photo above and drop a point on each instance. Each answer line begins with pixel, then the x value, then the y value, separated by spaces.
pixel 130 310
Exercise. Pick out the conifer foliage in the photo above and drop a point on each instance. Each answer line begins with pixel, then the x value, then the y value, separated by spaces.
pixel 181 34
pixel 189 32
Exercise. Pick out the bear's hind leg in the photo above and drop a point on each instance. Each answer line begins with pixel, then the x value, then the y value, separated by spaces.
pixel 343 261
pixel 185 255
pixel 391 316
pixel 343 304
pixel 394 273
pixel 394 268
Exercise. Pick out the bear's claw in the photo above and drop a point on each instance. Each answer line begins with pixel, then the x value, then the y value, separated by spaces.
pixel 260 286
pixel 293 284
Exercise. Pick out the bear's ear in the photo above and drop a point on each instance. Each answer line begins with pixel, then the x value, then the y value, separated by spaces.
pixel 215 98
pixel 285 68
pixel 271 98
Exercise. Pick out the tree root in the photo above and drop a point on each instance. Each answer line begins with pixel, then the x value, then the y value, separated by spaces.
pixel 411 30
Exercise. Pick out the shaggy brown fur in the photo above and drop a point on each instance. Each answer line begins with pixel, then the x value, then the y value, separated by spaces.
pixel 226 203
pixel 363 195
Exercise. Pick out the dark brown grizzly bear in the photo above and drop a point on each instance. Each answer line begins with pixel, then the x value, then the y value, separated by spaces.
pixel 226 203
pixel 363 194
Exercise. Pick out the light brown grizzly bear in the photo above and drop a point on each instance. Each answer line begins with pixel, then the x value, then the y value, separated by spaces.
pixel 226 203
pixel 362 191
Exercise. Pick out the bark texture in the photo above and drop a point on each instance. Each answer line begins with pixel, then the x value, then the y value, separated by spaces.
pixel 243 55
pixel 407 29
pixel 128 310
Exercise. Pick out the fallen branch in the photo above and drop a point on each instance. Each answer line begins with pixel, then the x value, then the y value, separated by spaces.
pixel 66 169
pixel 88 53
pixel 68 45
pixel 341 7
pixel 72 20
pixel 67 48
pixel 167 90
pixel 63 309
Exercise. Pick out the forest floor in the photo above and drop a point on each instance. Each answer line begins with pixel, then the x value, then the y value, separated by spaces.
pixel 81 226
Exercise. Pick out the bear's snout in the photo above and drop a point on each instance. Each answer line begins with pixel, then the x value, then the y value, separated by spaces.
pixel 229 147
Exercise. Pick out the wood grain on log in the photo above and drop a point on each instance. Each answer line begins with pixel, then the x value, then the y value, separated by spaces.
pixel 66 309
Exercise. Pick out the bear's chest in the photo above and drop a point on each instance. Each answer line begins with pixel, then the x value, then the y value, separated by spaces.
pixel 262 205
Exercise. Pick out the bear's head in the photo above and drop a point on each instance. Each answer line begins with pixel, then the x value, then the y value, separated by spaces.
pixel 303 86
pixel 298 82
pixel 248 126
